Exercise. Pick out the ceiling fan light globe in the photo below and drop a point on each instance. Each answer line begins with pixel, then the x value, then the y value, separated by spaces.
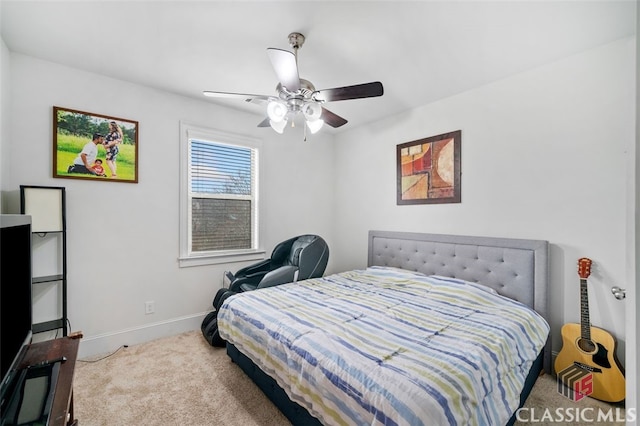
pixel 278 126
pixel 315 125
pixel 312 111
pixel 276 111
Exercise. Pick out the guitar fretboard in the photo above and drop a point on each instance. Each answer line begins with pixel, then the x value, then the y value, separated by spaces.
pixel 585 325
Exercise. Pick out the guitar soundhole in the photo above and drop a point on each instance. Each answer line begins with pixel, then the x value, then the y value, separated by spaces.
pixel 586 345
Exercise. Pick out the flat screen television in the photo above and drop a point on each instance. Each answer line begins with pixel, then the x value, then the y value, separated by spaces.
pixel 15 297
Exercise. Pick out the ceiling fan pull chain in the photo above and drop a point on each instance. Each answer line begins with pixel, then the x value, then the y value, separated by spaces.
pixel 304 139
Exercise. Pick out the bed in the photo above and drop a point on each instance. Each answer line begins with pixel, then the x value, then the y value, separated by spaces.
pixel 437 329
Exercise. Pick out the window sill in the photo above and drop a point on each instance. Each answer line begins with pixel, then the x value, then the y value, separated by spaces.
pixel 217 259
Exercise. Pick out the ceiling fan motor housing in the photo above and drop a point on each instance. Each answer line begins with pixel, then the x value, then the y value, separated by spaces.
pixel 306 90
pixel 296 100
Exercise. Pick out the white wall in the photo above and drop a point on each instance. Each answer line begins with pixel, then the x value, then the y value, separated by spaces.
pixel 544 156
pixel 123 238
pixel 4 114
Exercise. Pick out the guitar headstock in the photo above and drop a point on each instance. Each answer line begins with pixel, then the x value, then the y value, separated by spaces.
pixel 584 267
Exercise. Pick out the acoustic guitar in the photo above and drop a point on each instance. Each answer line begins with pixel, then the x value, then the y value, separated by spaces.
pixel 591 349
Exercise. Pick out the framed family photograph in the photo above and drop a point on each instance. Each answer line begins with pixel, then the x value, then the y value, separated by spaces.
pixel 94 146
pixel 429 170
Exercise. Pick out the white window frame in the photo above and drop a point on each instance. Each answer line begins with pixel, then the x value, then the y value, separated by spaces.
pixel 188 258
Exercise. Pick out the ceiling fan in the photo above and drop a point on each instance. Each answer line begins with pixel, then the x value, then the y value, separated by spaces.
pixel 295 95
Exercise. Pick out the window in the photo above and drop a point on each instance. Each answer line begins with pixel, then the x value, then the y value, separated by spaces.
pixel 219 197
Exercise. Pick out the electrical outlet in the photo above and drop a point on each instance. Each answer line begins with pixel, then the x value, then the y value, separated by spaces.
pixel 149 307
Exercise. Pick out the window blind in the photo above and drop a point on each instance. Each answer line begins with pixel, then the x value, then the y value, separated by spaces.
pixel 222 190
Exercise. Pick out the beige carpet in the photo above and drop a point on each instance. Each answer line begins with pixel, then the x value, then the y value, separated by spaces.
pixel 181 380
pixel 178 380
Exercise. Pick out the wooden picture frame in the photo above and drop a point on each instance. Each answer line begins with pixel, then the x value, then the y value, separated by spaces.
pixel 116 140
pixel 429 170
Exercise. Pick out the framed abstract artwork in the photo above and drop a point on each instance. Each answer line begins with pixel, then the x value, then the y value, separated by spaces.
pixel 94 146
pixel 429 170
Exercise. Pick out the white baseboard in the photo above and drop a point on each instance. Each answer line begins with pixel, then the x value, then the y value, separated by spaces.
pixel 109 342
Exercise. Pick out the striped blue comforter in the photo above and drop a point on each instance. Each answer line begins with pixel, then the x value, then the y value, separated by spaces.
pixel 390 347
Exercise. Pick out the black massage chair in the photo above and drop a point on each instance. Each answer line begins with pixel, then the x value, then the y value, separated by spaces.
pixel 299 258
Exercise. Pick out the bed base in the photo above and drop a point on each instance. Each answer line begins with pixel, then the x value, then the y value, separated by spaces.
pixel 296 414
pixel 299 416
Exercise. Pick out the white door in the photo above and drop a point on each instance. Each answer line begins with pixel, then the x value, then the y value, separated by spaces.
pixel 632 346
pixel 632 301
pixel 633 293
pixel 633 270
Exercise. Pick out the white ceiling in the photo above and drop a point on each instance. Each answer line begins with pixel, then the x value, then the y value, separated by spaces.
pixel 421 51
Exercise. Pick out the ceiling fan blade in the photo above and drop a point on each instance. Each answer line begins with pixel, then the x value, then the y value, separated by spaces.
pixel 262 101
pixel 332 119
pixel 244 96
pixel 286 68
pixel 264 123
pixel 366 90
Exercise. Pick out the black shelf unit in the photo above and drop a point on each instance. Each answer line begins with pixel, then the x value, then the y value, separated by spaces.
pixel 47 207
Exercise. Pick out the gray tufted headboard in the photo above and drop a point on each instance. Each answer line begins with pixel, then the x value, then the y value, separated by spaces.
pixel 518 269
